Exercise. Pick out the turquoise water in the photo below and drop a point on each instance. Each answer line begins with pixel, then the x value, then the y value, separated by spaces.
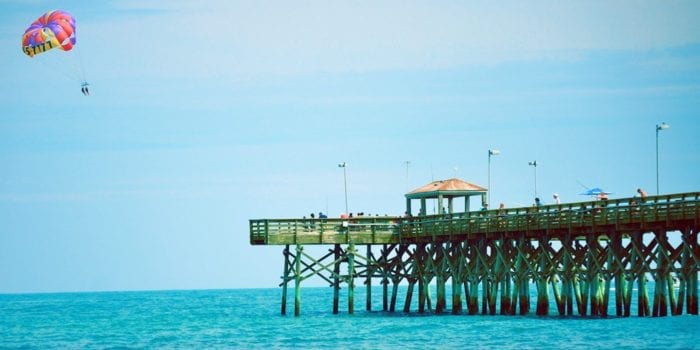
pixel 250 318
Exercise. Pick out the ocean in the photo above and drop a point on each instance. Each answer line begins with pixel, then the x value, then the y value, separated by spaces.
pixel 251 319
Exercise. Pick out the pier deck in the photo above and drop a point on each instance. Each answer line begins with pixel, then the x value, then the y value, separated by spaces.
pixel 669 212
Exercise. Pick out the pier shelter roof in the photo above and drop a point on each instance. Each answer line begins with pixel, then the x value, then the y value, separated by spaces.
pixel 446 188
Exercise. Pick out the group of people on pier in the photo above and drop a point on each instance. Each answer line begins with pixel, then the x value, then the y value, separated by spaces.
pixel 639 198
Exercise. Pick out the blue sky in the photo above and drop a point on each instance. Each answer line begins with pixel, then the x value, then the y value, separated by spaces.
pixel 205 115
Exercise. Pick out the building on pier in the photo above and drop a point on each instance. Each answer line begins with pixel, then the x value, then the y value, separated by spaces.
pixel 442 190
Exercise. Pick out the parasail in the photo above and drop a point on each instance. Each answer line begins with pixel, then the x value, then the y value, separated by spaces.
pixel 53 30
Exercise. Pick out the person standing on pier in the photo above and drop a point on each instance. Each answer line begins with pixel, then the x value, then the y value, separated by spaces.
pixel 642 194
pixel 556 198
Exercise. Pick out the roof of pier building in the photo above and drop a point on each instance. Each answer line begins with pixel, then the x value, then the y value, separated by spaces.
pixel 446 188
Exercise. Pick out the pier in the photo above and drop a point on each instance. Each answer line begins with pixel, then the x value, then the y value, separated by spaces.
pixel 575 253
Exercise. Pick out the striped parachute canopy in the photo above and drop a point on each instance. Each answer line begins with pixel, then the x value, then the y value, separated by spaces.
pixel 53 30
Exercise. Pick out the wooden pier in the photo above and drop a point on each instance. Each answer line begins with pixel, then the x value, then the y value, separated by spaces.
pixel 575 253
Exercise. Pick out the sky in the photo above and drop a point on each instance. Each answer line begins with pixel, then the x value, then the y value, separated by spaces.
pixel 204 115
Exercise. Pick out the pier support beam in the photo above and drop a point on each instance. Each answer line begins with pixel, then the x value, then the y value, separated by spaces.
pixel 285 278
pixel 409 295
pixel 336 277
pixel 440 269
pixel 385 278
pixel 660 307
pixel 616 271
pixel 419 274
pixel 297 280
pixel 639 264
pixel 351 278
pixel 473 274
pixel 368 280
pixel 567 275
pixel 541 279
pixel 690 243
pixel 503 252
pixel 456 268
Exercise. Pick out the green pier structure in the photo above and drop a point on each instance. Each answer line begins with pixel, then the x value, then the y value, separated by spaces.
pixel 576 253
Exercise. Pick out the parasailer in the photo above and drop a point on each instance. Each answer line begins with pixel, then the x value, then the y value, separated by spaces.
pixel 53 30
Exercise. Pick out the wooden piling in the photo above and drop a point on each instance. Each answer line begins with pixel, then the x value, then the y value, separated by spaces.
pixel 632 274
pixel 336 278
pixel 672 301
pixel 351 278
pixel 368 280
pixel 569 294
pixel 385 293
pixel 614 266
pixel 541 279
pixel 394 292
pixel 456 269
pixel 520 273
pixel 567 274
pixel 627 294
pixel 642 297
pixel 409 295
pixel 495 276
pixel 474 281
pixel 297 281
pixel 581 303
pixel 428 273
pixel 504 253
pixel 285 279
pixel 419 272
pixel 385 279
pixel 484 276
pixel 561 308
pixel 690 238
pixel 440 269
pixel 456 295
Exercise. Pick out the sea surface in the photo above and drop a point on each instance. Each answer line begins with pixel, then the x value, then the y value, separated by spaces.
pixel 251 319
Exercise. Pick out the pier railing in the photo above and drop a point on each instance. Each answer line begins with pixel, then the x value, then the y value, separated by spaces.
pixel 597 217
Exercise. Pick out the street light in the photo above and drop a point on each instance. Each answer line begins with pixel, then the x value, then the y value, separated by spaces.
pixel 534 164
pixel 345 182
pixel 492 152
pixel 662 126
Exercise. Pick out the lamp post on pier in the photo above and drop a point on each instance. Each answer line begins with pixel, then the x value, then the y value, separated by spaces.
pixel 344 165
pixel 492 152
pixel 659 127
pixel 534 164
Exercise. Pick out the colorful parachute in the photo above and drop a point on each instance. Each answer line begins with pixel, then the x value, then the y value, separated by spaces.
pixel 55 29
